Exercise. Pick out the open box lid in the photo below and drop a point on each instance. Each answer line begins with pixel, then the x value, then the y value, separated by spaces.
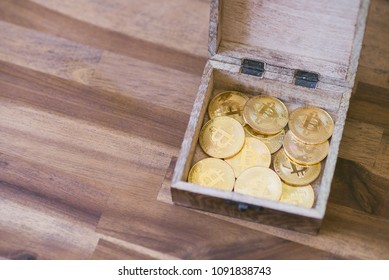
pixel 319 39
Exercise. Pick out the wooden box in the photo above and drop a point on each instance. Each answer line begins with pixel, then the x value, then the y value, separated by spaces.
pixel 304 52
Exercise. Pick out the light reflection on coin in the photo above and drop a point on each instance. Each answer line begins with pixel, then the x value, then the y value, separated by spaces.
pixel 228 103
pixel 212 172
pixel 273 142
pixel 304 154
pixel 311 125
pixel 293 173
pixel 301 196
pixel 222 137
pixel 265 114
pixel 253 153
pixel 259 182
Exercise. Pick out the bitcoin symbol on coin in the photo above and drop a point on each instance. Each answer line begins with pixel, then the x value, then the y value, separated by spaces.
pixel 311 123
pixel 229 109
pixel 265 111
pixel 211 177
pixel 294 169
pixel 221 138
pixel 299 172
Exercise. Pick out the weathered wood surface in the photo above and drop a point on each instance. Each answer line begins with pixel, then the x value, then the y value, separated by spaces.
pixel 94 101
pixel 324 37
pixel 215 80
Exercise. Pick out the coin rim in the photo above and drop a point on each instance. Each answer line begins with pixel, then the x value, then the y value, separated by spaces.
pixel 305 164
pixel 223 92
pixel 269 137
pixel 318 165
pixel 250 123
pixel 292 128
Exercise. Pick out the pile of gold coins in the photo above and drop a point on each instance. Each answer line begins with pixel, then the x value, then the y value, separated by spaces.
pixel 242 135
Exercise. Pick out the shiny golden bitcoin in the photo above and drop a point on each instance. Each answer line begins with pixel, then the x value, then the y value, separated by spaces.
pixel 253 153
pixel 259 182
pixel 301 196
pixel 293 173
pixel 222 137
pixel 273 142
pixel 304 154
pixel 265 114
pixel 311 125
pixel 228 103
pixel 214 173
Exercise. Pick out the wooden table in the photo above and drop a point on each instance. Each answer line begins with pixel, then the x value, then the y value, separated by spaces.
pixel 95 97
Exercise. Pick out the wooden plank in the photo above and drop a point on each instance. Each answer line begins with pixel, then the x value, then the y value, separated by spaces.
pixel 381 163
pixel 111 251
pixel 102 108
pixel 360 142
pixel 187 234
pixel 147 21
pixel 59 23
pixel 146 81
pixel 373 76
pixel 371 93
pixel 41 179
pixel 374 62
pixel 288 36
pixel 33 226
pixel 337 235
pixel 369 112
pixel 47 54
pixel 44 138
pixel 368 187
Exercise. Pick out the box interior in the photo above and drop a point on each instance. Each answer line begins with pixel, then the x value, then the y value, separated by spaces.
pixel 222 80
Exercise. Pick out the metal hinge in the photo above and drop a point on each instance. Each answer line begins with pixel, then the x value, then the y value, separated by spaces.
pixel 306 79
pixel 252 67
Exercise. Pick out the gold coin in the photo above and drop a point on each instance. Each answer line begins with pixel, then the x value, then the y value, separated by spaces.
pixel 214 173
pixel 253 153
pixel 304 154
pixel 228 103
pixel 311 125
pixel 273 142
pixel 293 173
pixel 222 137
pixel 265 114
pixel 301 196
pixel 259 182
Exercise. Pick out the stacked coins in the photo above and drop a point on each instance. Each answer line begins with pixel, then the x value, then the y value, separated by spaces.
pixel 242 135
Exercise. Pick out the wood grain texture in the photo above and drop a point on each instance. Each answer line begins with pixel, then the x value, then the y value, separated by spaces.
pixel 321 37
pixel 151 21
pixel 55 56
pixel 227 77
pixel 374 62
pixel 83 149
pixel 358 136
pixel 349 218
pixel 158 87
